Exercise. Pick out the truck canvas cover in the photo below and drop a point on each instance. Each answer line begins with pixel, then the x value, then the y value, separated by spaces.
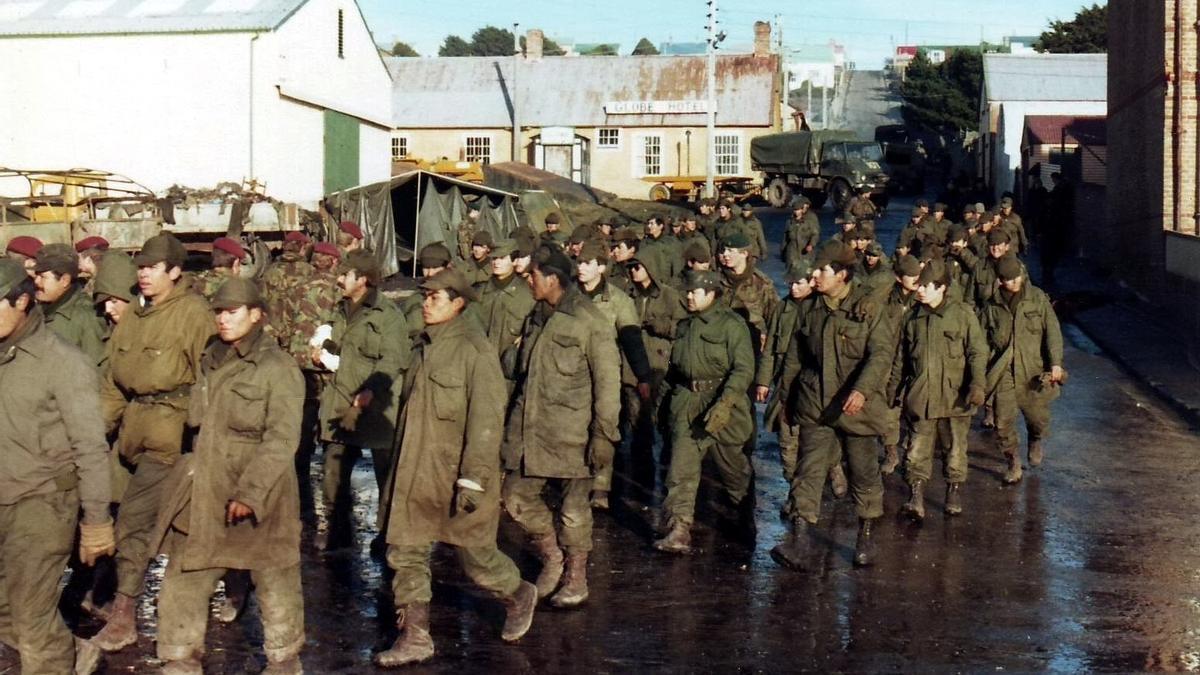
pixel 793 151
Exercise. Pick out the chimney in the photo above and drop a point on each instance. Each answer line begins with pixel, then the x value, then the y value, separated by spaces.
pixel 762 38
pixel 533 44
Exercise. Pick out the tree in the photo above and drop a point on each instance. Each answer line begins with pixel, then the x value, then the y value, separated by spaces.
pixel 645 48
pixel 549 47
pixel 943 95
pixel 492 41
pixel 403 49
pixel 1087 33
pixel 601 50
pixel 454 46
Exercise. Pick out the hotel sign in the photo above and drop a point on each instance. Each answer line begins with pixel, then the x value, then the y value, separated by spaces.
pixel 655 107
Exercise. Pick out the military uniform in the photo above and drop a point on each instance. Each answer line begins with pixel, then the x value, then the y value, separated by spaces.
pixel 784 323
pixel 752 229
pixel 247 406
pixel 73 318
pixel 665 254
pixel 280 283
pixel 206 282
pixel 896 309
pixel 659 310
pixel 752 296
pixel 861 207
pixel 800 238
pixel 502 308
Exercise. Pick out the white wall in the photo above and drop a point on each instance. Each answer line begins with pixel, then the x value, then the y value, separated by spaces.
pixel 1008 137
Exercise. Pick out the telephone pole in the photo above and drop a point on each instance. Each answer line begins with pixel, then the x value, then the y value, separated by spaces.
pixel 711 152
pixel 516 125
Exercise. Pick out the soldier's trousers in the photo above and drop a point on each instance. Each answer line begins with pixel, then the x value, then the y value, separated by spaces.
pixel 953 432
pixel 641 418
pixel 490 569
pixel 525 500
pixel 820 447
pixel 687 465
pixel 183 608
pixel 789 449
pixel 36 535
pixel 135 524
pixel 336 485
pixel 1012 398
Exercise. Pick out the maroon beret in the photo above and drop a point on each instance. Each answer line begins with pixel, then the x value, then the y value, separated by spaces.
pixel 25 245
pixel 351 229
pixel 87 243
pixel 327 249
pixel 296 235
pixel 229 246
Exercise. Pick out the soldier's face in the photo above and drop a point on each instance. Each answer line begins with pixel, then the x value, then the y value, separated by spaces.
pixel 654 227
pixel 639 274
pixel 87 266
pixel 11 316
pixel 689 225
pixel 51 286
pixel 700 266
pixel 114 309
pixel 351 284
pixel 480 252
pixel 235 324
pixel 502 267
pixel 622 252
pixel 801 289
pixel 826 281
pixel 931 294
pixel 998 251
pixel 156 281
pixel 521 265
pixel 1013 285
pixel 699 299
pixel 724 211
pixel 439 308
pixel 589 271
pixel 543 285
pixel 734 258
pixel 909 283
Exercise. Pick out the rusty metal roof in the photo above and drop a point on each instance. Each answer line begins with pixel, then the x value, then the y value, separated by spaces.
pixel 35 18
pixel 476 92
pixel 1055 129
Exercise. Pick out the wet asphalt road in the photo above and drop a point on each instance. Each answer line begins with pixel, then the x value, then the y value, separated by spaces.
pixel 1090 563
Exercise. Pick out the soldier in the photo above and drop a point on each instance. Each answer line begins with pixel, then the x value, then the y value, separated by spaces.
pixel 875 270
pixel 698 256
pixel 960 260
pixel 688 233
pixel 625 246
pixel 900 299
pixel 912 232
pixel 349 237
pixel 24 249
pixel 938 374
pixel 280 279
pixel 983 276
pixel 504 304
pixel 1025 371
pixel 233 503
pixel 154 359
pixel 840 362
pixel 553 233
pixel 753 229
pixel 746 290
pixel 860 206
pixel 1010 221
pixel 724 225
pixel 479 266
pixel 802 233
pixel 938 224
pixel 115 288
pixel 663 247
pixel 55 464
pixel 976 238
pixel 712 368
pixel 576 240
pixel 563 421
pixel 447 482
pixel 707 218
pixel 66 308
pixel 466 232
pixel 227 257
pixel 90 249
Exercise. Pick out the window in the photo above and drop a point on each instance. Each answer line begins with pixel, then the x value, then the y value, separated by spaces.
pixel 478 149
pixel 609 138
pixel 729 154
pixel 648 159
pixel 341 35
pixel 399 147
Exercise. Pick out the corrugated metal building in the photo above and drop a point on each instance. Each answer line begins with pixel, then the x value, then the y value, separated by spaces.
pixel 604 121
pixel 1017 85
pixel 1076 146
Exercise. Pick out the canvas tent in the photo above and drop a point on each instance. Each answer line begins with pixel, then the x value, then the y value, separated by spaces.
pixel 414 209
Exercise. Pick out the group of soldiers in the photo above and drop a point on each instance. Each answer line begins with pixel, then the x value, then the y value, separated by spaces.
pixel 509 379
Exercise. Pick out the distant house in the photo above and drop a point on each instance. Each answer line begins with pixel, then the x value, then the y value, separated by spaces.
pixel 1074 146
pixel 291 93
pixel 1018 85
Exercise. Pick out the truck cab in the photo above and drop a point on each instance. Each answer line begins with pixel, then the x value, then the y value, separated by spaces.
pixel 822 165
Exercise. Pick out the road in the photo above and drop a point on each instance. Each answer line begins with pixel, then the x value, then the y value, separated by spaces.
pixel 1089 564
pixel 869 103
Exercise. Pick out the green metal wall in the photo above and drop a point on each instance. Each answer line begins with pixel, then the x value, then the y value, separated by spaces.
pixel 341 151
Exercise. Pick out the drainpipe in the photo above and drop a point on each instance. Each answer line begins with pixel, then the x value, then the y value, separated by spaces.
pixel 1196 94
pixel 1177 118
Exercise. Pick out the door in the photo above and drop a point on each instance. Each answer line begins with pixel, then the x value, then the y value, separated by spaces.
pixel 341 151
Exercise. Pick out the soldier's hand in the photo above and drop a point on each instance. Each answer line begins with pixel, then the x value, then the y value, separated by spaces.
pixel 236 512
pixel 1058 375
pixel 976 395
pixel 717 416
pixel 854 403
pixel 348 418
pixel 95 542
pixel 761 392
pixel 643 390
pixel 466 500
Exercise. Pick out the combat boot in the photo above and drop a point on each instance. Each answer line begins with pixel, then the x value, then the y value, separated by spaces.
pixel 519 612
pixel 864 546
pixel 891 459
pixel 1035 453
pixel 678 540
pixel 915 506
pixel 837 480
pixel 189 666
pixel 574 590
pixel 87 657
pixel 121 629
pixel 552 563
pixel 989 417
pixel 88 604
pixel 237 588
pixel 414 645
pixel 1013 475
pixel 600 500
pixel 954 498
pixel 793 551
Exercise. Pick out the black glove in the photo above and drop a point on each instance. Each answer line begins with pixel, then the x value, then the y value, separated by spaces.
pixel 466 500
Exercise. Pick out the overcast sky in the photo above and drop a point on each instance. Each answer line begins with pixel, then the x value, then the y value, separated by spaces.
pixel 868 28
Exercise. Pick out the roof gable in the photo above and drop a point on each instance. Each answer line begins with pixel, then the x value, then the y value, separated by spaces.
pixel 1055 129
pixel 1045 77
pixel 53 18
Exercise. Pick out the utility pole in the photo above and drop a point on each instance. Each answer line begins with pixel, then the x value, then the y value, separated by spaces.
pixel 516 126
pixel 710 160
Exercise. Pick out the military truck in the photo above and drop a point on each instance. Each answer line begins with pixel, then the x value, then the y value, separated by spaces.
pixel 905 155
pixel 832 164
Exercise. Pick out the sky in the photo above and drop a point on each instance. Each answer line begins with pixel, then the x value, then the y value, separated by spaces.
pixel 868 28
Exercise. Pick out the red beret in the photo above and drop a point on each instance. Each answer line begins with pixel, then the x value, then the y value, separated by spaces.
pixel 87 243
pixel 296 235
pixel 25 245
pixel 351 229
pixel 328 249
pixel 229 246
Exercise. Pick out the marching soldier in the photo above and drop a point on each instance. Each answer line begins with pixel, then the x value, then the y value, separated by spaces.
pixel 479 266
pixel 553 233
pixel 67 309
pixel 23 249
pixel 227 257
pixel 1010 222
pixel 860 207
pixel 657 244
pixel 753 229
pixel 280 280
pixel 90 250
pixel 747 291
pixel 901 297
pixel 504 304
pixel 802 233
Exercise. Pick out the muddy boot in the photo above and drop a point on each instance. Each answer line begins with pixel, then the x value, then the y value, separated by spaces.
pixel 414 644
pixel 891 459
pixel 915 506
pixel 678 540
pixel 552 564
pixel 600 500
pixel 1013 475
pixel 288 666
pixel 87 657
pixel 574 590
pixel 121 629
pixel 837 480
pixel 519 612
pixel 1035 453
pixel 864 546
pixel 793 551
pixel 954 498
pixel 183 667
pixel 237 588
pixel 989 417
pixel 88 604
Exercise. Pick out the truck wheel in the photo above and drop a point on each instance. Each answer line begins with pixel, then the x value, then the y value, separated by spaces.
pixel 659 193
pixel 779 193
pixel 839 192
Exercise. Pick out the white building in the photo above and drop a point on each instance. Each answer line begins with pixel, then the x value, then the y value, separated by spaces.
pixel 291 93
pixel 1016 85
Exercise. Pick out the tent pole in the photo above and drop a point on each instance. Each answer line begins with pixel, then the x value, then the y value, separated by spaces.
pixel 416 227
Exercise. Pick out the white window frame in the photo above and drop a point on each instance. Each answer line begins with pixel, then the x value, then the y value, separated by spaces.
pixel 638 154
pixel 491 147
pixel 737 157
pixel 401 140
pixel 600 135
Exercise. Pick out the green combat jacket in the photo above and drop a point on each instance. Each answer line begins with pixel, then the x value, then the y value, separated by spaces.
pixel 659 309
pixel 247 405
pixel 73 318
pixel 373 344
pixel 800 235
pixel 502 310
pixel 840 347
pixel 942 355
pixel 450 429
pixel 752 296
pixel 1024 337
pixel 770 366
pixel 712 360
